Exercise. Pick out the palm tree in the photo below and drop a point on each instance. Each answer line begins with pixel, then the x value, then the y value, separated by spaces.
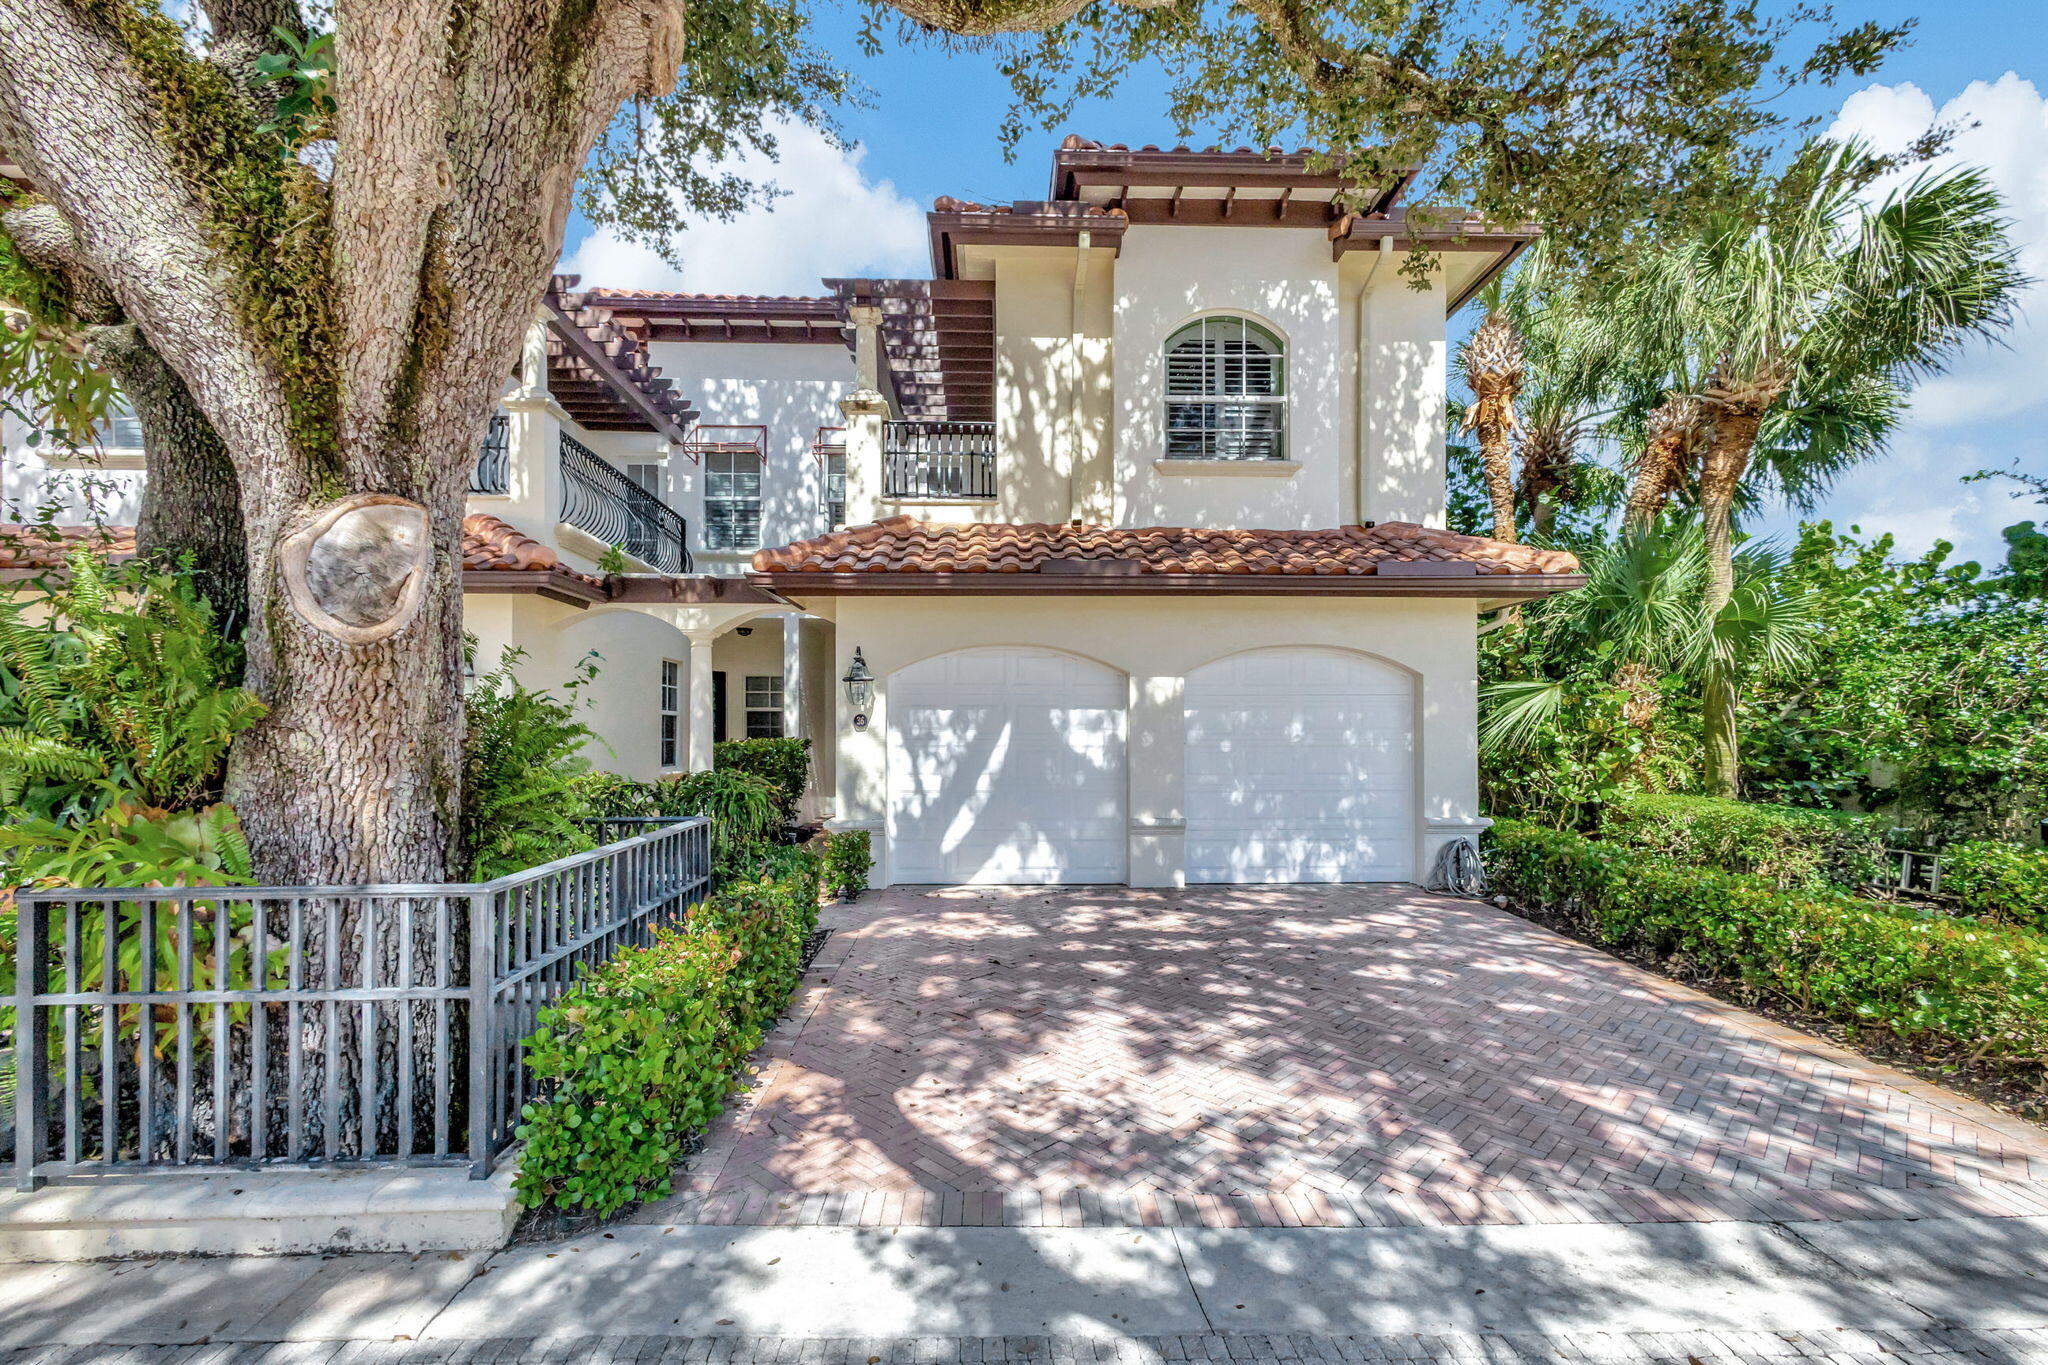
pixel 1639 619
pixel 1788 330
pixel 1492 361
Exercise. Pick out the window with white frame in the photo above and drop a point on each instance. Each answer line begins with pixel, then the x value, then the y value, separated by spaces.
pixel 119 430
pixel 732 500
pixel 835 489
pixel 1226 392
pixel 671 712
pixel 764 706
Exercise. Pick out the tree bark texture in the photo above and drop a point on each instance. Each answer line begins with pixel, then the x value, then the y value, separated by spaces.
pixel 457 143
pixel 191 498
pixel 1721 471
pixel 1674 432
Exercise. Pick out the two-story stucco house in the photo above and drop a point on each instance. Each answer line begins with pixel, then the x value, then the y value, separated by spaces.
pixel 1111 552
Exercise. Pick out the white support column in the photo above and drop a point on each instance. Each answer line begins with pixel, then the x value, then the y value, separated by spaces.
pixel 1155 751
pixel 793 677
pixel 703 724
pixel 865 412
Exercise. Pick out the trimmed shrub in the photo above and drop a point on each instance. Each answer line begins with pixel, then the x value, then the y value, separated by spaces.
pixel 1784 845
pixel 1999 881
pixel 1961 985
pixel 848 856
pixel 784 764
pixel 644 1050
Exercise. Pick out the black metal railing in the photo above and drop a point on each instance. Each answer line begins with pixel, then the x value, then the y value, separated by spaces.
pixel 939 460
pixel 598 498
pixel 178 1027
pixel 493 472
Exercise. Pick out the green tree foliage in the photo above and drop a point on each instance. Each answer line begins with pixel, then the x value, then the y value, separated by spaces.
pixel 1603 121
pixel 521 805
pixel 1923 695
pixel 114 685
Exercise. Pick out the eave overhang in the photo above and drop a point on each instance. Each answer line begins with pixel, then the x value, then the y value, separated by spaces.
pixel 1489 590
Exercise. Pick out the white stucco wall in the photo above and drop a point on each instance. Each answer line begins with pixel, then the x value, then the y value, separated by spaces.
pixel 790 388
pixel 1156 642
pixel 105 487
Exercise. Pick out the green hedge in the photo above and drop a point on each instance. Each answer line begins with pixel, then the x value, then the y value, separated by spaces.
pixel 1964 986
pixel 784 764
pixel 848 857
pixel 1785 845
pixel 742 808
pixel 643 1051
pixel 1999 881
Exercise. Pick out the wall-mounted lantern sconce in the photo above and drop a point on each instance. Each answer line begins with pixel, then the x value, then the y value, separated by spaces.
pixel 860 688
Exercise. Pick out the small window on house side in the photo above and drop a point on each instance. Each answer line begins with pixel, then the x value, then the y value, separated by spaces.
pixel 835 490
pixel 1226 392
pixel 119 430
pixel 671 712
pixel 764 707
pixel 732 500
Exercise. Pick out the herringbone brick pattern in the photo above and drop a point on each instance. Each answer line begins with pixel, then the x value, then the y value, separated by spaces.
pixel 1324 1056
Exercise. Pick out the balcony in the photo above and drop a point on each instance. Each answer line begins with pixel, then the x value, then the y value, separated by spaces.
pixel 598 499
pixel 939 460
pixel 493 472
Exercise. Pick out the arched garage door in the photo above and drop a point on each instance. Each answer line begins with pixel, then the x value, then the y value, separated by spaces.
pixel 1006 765
pixel 1300 768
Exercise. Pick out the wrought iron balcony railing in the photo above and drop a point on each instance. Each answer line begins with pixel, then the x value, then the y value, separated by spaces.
pixel 493 472
pixel 939 460
pixel 598 498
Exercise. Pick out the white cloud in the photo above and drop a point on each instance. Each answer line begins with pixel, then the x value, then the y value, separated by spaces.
pixel 832 220
pixel 1985 412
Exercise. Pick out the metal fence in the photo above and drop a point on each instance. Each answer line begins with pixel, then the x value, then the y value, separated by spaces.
pixel 211 1026
pixel 599 498
pixel 939 459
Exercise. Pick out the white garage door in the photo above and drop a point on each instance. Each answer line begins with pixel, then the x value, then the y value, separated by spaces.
pixel 1006 765
pixel 1300 768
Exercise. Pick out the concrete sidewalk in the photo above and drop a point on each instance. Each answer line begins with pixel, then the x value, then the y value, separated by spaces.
pixel 822 1288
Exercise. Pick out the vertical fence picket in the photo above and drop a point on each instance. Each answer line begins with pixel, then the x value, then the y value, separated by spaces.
pixel 199 1019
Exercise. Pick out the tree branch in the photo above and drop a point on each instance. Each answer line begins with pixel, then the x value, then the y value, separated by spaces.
pixel 138 226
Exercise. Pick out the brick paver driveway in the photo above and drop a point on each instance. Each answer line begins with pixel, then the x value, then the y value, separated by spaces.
pixel 1305 1055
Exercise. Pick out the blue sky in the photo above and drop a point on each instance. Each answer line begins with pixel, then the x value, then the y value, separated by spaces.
pixel 931 125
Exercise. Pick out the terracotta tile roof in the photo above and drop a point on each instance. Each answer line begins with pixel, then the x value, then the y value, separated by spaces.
pixel 44 547
pixel 488 542
pixel 904 545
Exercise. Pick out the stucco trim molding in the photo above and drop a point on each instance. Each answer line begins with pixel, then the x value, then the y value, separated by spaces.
pixel 1243 469
pixel 1157 828
pixel 1474 825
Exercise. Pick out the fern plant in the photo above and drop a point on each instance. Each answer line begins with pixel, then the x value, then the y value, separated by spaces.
pixel 521 803
pixel 115 685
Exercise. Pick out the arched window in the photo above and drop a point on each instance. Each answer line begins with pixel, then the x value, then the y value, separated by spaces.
pixel 1226 392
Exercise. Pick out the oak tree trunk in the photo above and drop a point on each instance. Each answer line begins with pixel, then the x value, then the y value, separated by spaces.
pixel 191 498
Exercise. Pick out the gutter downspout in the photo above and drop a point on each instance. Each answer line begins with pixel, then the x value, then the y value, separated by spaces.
pixel 1075 426
pixel 1365 441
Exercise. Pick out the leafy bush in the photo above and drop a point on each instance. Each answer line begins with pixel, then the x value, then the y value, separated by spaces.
pixel 1962 985
pixel 643 1051
pixel 130 846
pixel 1782 844
pixel 848 856
pixel 1998 881
pixel 115 685
pixel 742 808
pixel 785 764
pixel 520 804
